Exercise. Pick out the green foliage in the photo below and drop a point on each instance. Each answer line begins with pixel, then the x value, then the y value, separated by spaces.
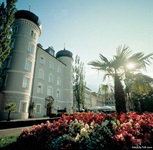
pixel 7 140
pixel 10 107
pixel 79 82
pixel 143 103
pixel 6 21
pixel 118 70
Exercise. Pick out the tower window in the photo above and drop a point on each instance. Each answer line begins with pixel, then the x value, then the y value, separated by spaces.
pixel 15 29
pixel 12 43
pixel 25 82
pixel 31 48
pixel 33 34
pixel 28 65
pixel 23 107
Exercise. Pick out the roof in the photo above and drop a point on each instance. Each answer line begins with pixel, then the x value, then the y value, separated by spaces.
pixel 25 14
pixel 64 52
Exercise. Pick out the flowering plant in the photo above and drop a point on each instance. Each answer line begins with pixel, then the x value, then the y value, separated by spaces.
pixel 92 131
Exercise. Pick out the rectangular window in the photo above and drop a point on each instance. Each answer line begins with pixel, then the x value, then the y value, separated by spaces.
pixel 25 82
pixel 40 88
pixel 38 108
pixel 49 91
pixel 28 65
pixel 42 61
pixel 31 48
pixel 41 74
pixel 58 94
pixel 51 65
pixel 50 78
pixel 23 107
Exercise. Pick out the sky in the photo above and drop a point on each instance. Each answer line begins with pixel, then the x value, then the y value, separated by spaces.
pixel 92 27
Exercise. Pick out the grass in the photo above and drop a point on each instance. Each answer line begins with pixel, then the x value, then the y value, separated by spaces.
pixel 5 141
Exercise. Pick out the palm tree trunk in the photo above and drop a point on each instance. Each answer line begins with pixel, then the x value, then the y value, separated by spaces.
pixel 119 95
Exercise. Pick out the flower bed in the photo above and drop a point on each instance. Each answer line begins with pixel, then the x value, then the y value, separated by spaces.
pixel 88 131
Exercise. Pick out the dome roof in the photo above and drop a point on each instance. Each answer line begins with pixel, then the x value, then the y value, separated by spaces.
pixel 64 53
pixel 28 15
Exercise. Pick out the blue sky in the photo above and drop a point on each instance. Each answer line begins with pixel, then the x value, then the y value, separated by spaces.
pixel 90 27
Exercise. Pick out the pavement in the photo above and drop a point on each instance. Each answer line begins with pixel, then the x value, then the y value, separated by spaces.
pixel 12 131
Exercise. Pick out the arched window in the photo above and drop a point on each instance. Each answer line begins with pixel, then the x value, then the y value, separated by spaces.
pixel 42 60
pixel 49 91
pixel 58 81
pixel 41 74
pixel 50 78
pixel 58 93
pixel 40 88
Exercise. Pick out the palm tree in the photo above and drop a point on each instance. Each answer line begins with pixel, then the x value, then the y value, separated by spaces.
pixel 117 69
pixel 113 68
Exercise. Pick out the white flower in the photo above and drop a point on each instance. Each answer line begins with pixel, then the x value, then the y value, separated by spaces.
pixel 83 132
pixel 86 126
pixel 77 137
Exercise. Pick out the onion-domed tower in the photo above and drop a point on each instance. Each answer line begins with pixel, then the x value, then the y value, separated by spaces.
pixel 19 67
pixel 66 57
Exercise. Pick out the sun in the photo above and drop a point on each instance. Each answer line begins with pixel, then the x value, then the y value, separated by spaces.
pixel 130 65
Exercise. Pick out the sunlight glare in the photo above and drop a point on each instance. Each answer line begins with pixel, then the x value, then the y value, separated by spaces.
pixel 130 65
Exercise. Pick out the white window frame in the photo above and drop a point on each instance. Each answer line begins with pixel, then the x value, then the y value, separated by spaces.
pixel 51 65
pixel 21 105
pixel 58 81
pixel 41 74
pixel 58 93
pixel 42 60
pixel 38 112
pixel 50 78
pixel 40 88
pixel 49 93
pixel 58 69
pixel 31 48
pixel 28 65
pixel 25 82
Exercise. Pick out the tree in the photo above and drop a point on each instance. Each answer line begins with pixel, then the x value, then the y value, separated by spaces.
pixel 31 109
pixel 10 107
pixel 79 83
pixel 117 69
pixel 6 22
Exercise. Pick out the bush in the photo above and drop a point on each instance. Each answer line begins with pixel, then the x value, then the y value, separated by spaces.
pixel 90 131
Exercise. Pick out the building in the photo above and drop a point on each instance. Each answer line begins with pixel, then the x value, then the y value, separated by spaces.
pixel 32 74
pixel 88 103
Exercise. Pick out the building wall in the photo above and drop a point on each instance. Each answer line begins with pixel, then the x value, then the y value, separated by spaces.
pixel 52 67
pixel 26 74
pixel 17 69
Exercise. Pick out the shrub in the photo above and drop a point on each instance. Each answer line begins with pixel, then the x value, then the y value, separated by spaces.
pixel 90 131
